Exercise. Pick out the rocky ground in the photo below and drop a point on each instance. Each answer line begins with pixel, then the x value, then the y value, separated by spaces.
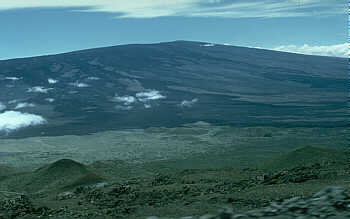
pixel 331 202
pixel 68 189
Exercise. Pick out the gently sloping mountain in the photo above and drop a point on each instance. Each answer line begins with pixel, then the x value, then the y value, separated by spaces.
pixel 170 84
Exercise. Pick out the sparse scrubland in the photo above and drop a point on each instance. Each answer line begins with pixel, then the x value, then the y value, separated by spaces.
pixel 197 184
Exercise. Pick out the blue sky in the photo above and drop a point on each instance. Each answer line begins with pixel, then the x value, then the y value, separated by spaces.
pixel 38 27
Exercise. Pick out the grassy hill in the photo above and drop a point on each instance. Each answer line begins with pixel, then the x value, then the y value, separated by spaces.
pixel 306 156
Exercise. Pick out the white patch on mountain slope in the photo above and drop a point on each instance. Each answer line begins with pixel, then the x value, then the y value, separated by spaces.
pixel 208 45
pixel 38 89
pixel 188 103
pixel 93 78
pixel 149 95
pixel 119 107
pixel 79 84
pixel 126 100
pixel 13 78
pixel 50 100
pixel 12 101
pixel 52 81
pixel 2 107
pixel 24 105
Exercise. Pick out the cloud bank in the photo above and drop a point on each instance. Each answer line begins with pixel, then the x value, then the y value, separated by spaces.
pixel 192 8
pixel 13 120
pixel 339 50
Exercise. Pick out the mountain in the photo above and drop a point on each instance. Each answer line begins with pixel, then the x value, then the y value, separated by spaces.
pixel 170 84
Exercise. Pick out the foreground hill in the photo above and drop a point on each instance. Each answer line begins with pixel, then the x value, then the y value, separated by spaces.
pixel 5 171
pixel 61 175
pixel 168 84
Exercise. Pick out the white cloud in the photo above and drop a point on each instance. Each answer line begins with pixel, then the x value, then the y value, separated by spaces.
pixel 338 50
pixel 38 89
pixel 79 84
pixel 24 105
pixel 13 120
pixel 149 95
pixel 188 103
pixel 52 81
pixel 50 100
pixel 192 8
pixel 118 107
pixel 2 107
pixel 126 100
pixel 147 106
pixel 13 78
pixel 208 45
pixel 93 78
pixel 13 101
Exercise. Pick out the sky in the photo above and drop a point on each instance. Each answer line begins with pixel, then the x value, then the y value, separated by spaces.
pixel 41 27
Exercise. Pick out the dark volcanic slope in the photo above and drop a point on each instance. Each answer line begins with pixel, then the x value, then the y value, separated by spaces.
pixel 135 86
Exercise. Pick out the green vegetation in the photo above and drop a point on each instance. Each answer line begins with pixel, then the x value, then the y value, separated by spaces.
pixel 194 169
pixel 126 190
pixel 186 146
pixel 307 156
